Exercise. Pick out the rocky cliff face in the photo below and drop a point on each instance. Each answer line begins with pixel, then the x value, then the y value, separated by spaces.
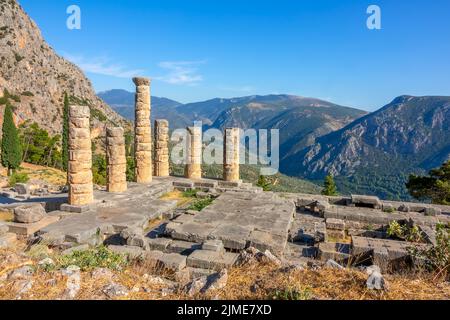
pixel 37 77
pixel 411 134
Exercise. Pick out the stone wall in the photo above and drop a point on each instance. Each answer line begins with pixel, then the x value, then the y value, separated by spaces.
pixel 80 156
pixel 143 136
pixel 116 160
pixel 161 163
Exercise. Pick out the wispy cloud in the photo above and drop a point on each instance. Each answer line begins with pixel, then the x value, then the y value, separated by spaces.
pixel 181 72
pixel 103 66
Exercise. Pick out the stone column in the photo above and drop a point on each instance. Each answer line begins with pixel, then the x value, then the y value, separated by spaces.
pixel 193 168
pixel 81 190
pixel 116 160
pixel 143 135
pixel 161 164
pixel 231 155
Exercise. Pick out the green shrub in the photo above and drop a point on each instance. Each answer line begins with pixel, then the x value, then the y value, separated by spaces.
pixel 199 205
pixel 191 193
pixel 404 232
pixel 16 178
pixel 264 183
pixel 131 174
pixel 436 257
pixel 87 260
pixel 99 170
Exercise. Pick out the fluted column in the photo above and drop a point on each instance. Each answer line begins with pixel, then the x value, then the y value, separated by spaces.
pixel 143 136
pixel 231 155
pixel 81 190
pixel 161 163
pixel 116 160
pixel 193 168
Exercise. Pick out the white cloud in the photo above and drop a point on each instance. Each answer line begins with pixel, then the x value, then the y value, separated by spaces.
pixel 181 72
pixel 103 66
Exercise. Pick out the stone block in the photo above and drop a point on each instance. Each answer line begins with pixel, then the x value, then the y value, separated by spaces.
pixel 233 236
pixel 338 252
pixel 211 260
pixel 369 201
pixel 263 241
pixel 183 247
pixel 213 245
pixel 184 184
pixel 335 224
pixel 28 229
pixel 30 213
pixel 160 244
pixel 192 231
pixel 74 208
pixel 172 261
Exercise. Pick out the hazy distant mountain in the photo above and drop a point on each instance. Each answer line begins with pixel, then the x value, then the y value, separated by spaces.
pixel 376 153
pixel 299 119
pixel 122 102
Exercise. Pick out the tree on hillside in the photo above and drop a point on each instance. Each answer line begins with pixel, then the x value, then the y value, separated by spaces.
pixel 435 187
pixel 38 146
pixel 11 148
pixel 329 186
pixel 65 134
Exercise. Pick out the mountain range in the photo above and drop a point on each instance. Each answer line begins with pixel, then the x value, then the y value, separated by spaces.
pixel 368 153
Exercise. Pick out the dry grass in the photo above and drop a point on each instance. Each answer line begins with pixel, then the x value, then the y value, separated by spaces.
pixel 35 172
pixel 256 281
pixel 178 196
pixel 6 216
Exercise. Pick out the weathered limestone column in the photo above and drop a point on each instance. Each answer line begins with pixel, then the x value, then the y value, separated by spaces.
pixel 193 168
pixel 116 160
pixel 143 135
pixel 81 190
pixel 231 155
pixel 161 164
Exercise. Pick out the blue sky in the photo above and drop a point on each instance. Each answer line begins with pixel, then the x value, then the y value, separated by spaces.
pixel 197 50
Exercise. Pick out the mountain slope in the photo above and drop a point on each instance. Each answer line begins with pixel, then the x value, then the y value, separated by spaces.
pixel 122 102
pixel 376 153
pixel 299 119
pixel 37 77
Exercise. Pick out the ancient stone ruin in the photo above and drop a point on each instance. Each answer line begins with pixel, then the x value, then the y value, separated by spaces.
pixel 80 157
pixel 193 168
pixel 161 162
pixel 143 132
pixel 231 155
pixel 116 160
pixel 240 223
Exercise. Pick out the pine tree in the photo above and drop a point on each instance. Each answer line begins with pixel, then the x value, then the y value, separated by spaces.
pixel 11 148
pixel 435 187
pixel 329 186
pixel 65 134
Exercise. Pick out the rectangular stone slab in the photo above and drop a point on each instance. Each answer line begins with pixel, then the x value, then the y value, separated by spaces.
pixel 28 229
pixel 211 260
